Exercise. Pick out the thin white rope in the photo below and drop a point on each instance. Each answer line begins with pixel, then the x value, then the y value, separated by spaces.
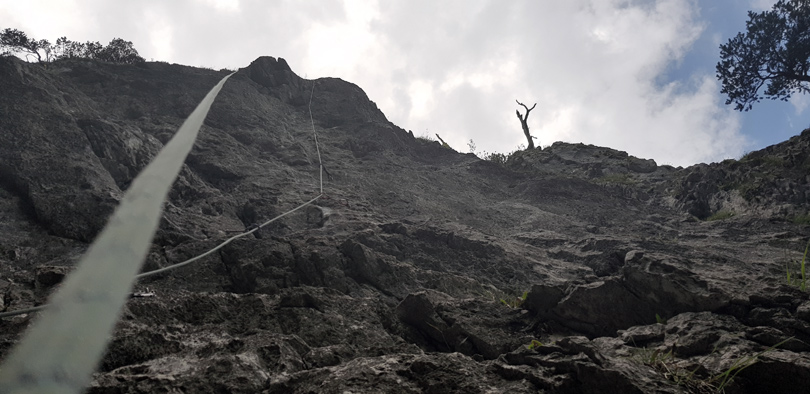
pixel 221 245
pixel 312 123
pixel 229 240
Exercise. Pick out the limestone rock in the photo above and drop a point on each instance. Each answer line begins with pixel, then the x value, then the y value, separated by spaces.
pixel 570 269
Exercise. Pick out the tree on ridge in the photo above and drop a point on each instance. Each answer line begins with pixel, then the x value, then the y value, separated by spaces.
pixel 525 125
pixel 13 41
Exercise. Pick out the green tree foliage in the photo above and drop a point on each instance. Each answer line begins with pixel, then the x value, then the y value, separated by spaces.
pixel 13 41
pixel 119 51
pixel 775 48
pixel 66 49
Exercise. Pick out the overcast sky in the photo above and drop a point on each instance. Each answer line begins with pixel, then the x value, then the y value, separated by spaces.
pixel 632 75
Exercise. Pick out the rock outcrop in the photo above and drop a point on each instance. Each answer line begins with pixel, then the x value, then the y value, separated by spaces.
pixel 570 269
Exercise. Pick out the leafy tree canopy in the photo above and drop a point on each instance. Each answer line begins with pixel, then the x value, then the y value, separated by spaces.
pixel 13 42
pixel 775 49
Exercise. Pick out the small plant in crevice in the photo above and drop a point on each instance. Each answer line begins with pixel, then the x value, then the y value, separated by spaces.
pixel 801 219
pixel 534 345
pixel 515 302
pixel 720 215
pixel 674 370
pixel 798 279
pixel 659 319
pixel 495 157
pixel 652 356
pixel 426 138
pixel 667 364
pixel 721 380
pixel 498 158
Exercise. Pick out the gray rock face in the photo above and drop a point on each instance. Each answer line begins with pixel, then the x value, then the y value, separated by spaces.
pixel 570 269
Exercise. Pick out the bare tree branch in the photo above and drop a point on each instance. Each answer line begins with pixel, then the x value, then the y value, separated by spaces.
pixel 524 125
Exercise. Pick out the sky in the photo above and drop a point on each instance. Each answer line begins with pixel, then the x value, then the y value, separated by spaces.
pixel 633 75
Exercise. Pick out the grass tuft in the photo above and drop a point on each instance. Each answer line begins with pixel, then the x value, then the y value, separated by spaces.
pixel 795 279
pixel 535 344
pixel 802 219
pixel 720 215
pixel 720 381
pixel 515 302
pixel 667 364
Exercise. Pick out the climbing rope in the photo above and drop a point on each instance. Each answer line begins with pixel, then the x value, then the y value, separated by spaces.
pixel 229 240
pixel 60 351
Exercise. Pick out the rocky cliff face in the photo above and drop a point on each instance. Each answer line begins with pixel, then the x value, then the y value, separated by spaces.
pixel 410 273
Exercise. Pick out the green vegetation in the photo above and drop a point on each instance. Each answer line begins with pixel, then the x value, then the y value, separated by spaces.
pixel 515 302
pixel 767 161
pixel 794 279
pixel 497 158
pixel 444 144
pixel 16 42
pixel 659 319
pixel 720 215
pixel 652 356
pixel 747 190
pixel 801 219
pixel 773 50
pixel 535 344
pixel 666 363
pixel 720 381
pixel 426 138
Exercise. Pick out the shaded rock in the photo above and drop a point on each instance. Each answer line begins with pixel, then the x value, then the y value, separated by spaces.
pixel 365 266
pixel 775 372
pixel 690 334
pixel 668 289
pixel 48 275
pixel 576 365
pixel 394 228
pixel 328 356
pixel 633 257
pixel 770 336
pixel 417 310
pixel 642 335
pixel 803 311
pixel 279 79
pixel 136 348
pixel 542 298
pixel 283 355
pixel 439 373
pixel 123 151
pixel 602 308
pixel 641 165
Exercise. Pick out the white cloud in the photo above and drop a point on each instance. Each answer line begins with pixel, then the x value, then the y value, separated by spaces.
pixel 224 5
pixel 592 68
pixel 160 35
pixel 799 102
pixel 456 67
pixel 762 5
pixel 341 46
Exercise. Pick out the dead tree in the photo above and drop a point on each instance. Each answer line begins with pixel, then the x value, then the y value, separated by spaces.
pixel 524 124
